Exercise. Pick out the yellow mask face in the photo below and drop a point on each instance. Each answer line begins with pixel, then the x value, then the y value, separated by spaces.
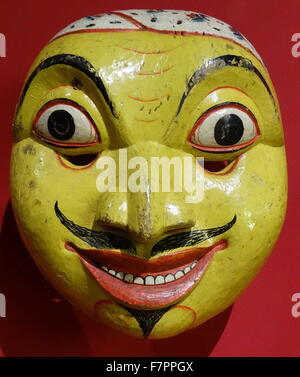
pixel 143 84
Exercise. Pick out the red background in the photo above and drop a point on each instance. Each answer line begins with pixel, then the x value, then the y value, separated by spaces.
pixel 260 323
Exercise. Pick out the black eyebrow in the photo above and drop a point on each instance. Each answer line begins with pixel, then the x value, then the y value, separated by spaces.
pixel 74 61
pixel 216 64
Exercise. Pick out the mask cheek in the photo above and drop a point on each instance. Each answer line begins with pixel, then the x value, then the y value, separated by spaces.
pixel 114 315
pixel 184 316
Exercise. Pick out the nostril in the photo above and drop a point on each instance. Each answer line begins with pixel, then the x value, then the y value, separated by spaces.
pixel 82 159
pixel 173 230
pixel 215 166
pixel 179 228
pixel 110 227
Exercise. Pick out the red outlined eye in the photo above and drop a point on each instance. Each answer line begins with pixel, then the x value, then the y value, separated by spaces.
pixel 64 123
pixel 224 128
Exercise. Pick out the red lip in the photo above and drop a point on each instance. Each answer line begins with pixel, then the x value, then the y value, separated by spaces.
pixel 147 296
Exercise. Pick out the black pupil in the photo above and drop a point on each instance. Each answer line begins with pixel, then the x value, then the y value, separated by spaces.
pixel 229 129
pixel 61 125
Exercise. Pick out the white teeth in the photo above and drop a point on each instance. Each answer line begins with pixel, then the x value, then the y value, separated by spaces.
pixel 187 269
pixel 159 279
pixel 120 275
pixel 169 278
pixel 138 280
pixel 179 274
pixel 149 280
pixel 128 278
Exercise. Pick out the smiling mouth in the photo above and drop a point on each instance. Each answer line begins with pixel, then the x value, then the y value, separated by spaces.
pixel 147 283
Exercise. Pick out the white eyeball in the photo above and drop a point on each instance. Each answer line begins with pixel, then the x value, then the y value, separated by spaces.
pixel 225 126
pixel 64 122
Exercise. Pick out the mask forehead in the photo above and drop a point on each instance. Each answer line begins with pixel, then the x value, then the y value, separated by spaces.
pixel 146 74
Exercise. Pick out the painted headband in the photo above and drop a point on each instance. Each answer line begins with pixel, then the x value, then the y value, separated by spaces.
pixel 161 21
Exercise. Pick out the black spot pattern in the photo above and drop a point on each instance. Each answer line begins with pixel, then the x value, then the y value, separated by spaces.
pixel 236 33
pixel 172 21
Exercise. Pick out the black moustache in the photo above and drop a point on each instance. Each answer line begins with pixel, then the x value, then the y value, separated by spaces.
pixel 191 238
pixel 110 240
pixel 97 239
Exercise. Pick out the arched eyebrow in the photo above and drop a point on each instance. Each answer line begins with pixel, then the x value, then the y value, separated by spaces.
pixel 216 64
pixel 74 61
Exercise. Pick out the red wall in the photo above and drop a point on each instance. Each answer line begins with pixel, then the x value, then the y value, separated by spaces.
pixel 260 323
